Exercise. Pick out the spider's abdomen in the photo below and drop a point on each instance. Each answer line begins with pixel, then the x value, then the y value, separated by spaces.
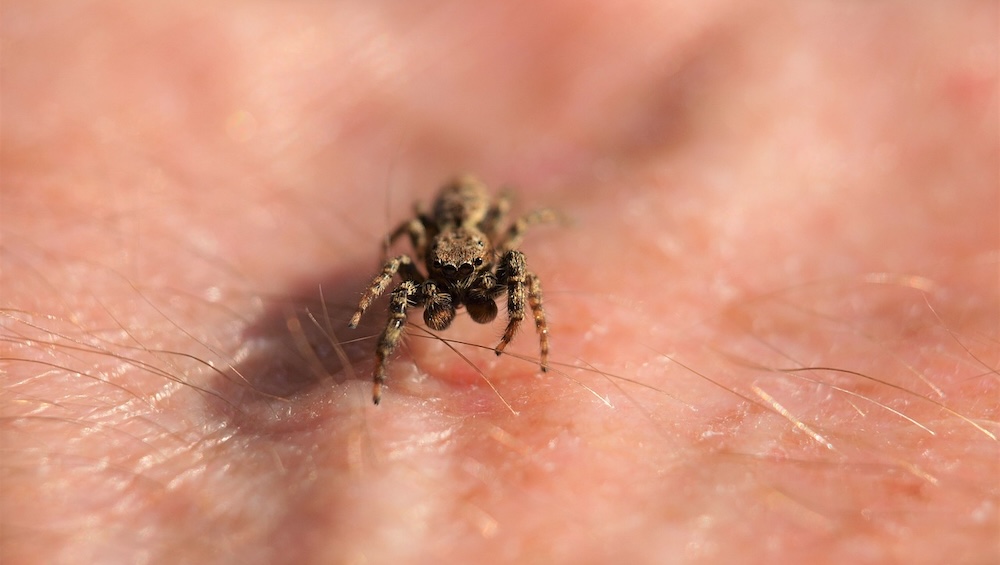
pixel 463 202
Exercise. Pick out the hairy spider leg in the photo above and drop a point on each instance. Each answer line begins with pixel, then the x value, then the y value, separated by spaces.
pixel 515 234
pixel 400 301
pixel 402 265
pixel 541 325
pixel 522 284
pixel 497 215
pixel 416 228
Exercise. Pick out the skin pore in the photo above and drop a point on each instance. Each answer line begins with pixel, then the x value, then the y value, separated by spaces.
pixel 773 308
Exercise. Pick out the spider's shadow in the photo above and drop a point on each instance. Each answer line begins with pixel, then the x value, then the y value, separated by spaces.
pixel 297 346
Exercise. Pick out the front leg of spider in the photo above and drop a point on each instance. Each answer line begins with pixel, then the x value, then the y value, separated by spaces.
pixel 522 286
pixel 402 265
pixel 404 297
pixel 417 231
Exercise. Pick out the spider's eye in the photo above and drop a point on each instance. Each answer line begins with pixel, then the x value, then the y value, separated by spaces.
pixel 478 262
pixel 437 263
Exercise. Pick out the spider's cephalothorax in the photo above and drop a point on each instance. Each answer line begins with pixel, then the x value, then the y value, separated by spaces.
pixel 470 260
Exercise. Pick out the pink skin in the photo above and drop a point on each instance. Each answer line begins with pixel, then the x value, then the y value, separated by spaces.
pixel 813 184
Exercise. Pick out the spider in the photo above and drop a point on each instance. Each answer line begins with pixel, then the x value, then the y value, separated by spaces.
pixel 470 260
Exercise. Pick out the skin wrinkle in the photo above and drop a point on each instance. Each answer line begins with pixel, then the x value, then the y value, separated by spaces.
pixel 167 394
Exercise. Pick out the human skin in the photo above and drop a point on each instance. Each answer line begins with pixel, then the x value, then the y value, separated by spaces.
pixel 747 190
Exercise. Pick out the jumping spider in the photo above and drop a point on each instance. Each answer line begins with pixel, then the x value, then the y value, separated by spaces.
pixel 459 243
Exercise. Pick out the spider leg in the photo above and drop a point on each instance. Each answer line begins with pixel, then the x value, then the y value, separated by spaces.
pixel 522 285
pixel 497 214
pixel 401 300
pixel 512 240
pixel 537 304
pixel 416 228
pixel 402 265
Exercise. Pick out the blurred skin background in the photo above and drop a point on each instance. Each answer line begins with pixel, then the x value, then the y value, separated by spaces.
pixel 774 306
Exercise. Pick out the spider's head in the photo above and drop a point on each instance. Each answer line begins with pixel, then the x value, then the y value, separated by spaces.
pixel 459 255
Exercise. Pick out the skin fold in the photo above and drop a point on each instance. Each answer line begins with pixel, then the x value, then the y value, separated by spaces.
pixel 772 296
